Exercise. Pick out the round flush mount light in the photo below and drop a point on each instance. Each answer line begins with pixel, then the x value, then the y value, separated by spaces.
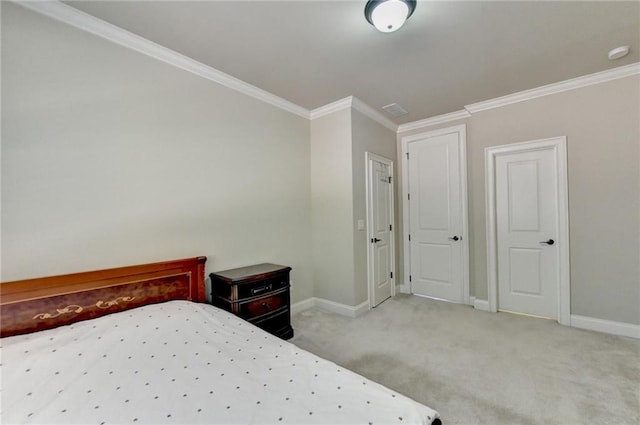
pixel 388 15
pixel 618 52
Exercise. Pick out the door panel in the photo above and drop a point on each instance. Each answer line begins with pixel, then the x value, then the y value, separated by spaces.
pixel 381 234
pixel 526 216
pixel 523 196
pixel 524 271
pixel 432 178
pixel 383 287
pixel 435 215
pixel 435 263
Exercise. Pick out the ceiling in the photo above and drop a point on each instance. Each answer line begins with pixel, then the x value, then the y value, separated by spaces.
pixel 448 54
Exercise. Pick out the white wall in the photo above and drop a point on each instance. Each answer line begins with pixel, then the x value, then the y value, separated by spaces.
pixel 112 158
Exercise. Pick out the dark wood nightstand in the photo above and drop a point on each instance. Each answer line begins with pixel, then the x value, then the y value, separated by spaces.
pixel 258 294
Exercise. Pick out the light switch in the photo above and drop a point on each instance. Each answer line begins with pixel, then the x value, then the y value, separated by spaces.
pixel 360 224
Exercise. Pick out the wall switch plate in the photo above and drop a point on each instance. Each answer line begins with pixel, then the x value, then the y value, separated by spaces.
pixel 360 224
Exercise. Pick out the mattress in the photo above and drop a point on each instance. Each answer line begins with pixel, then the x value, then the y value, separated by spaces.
pixel 184 363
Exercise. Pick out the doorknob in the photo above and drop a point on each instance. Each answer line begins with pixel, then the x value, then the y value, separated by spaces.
pixel 455 238
pixel 549 242
pixel 375 240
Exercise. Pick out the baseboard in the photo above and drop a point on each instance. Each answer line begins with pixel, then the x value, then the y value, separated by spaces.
pixel 332 306
pixel 404 289
pixel 607 326
pixel 343 309
pixel 581 322
pixel 479 304
pixel 361 308
pixel 302 305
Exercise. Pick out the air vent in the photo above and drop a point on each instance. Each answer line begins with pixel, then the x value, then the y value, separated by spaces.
pixel 395 110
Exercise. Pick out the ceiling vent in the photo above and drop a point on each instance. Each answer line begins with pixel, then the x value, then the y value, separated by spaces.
pixel 395 110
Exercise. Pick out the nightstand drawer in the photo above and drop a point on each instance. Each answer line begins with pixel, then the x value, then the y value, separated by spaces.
pixel 277 324
pixel 264 305
pixel 250 290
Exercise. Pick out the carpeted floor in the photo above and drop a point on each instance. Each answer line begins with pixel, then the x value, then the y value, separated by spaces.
pixel 482 368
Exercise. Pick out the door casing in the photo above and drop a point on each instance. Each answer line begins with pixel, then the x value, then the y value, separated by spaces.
pixel 369 158
pixel 461 130
pixel 559 146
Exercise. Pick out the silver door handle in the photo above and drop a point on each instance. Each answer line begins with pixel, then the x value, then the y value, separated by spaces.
pixel 455 238
pixel 549 242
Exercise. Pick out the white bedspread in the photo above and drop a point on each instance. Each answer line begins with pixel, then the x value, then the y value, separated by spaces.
pixel 182 362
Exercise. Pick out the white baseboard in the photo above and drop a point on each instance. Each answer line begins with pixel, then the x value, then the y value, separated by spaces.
pixel 302 306
pixel 404 289
pixel 332 306
pixel 581 322
pixel 362 308
pixel 479 304
pixel 607 326
pixel 343 309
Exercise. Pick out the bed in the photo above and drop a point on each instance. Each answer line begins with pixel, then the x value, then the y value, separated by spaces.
pixel 139 344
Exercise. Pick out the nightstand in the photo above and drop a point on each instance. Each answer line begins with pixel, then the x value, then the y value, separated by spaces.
pixel 258 294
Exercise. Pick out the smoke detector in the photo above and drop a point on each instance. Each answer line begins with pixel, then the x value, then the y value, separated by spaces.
pixel 618 52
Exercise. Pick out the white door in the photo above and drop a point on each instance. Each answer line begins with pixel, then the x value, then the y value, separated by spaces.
pixel 527 209
pixel 436 198
pixel 380 225
pixel 527 232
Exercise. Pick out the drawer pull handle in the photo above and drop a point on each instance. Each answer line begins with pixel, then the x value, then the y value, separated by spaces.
pixel 261 289
pixel 266 305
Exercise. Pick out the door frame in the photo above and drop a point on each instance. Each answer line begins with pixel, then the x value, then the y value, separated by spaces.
pixel 559 146
pixel 461 130
pixel 369 157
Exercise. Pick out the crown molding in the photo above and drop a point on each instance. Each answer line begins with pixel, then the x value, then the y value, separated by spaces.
pixel 332 107
pixel 438 119
pixel 81 20
pixel 562 86
pixel 358 105
pixel 367 110
pixel 71 16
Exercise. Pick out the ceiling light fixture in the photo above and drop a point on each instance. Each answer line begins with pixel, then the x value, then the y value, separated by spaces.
pixel 388 15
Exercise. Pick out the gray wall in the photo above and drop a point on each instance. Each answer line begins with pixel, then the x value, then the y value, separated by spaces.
pixel 332 207
pixel 602 125
pixel 338 187
pixel 110 158
pixel 367 136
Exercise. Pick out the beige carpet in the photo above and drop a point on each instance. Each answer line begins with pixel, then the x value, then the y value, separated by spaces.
pixel 481 368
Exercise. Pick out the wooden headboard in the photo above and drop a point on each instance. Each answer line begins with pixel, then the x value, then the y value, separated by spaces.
pixel 36 304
